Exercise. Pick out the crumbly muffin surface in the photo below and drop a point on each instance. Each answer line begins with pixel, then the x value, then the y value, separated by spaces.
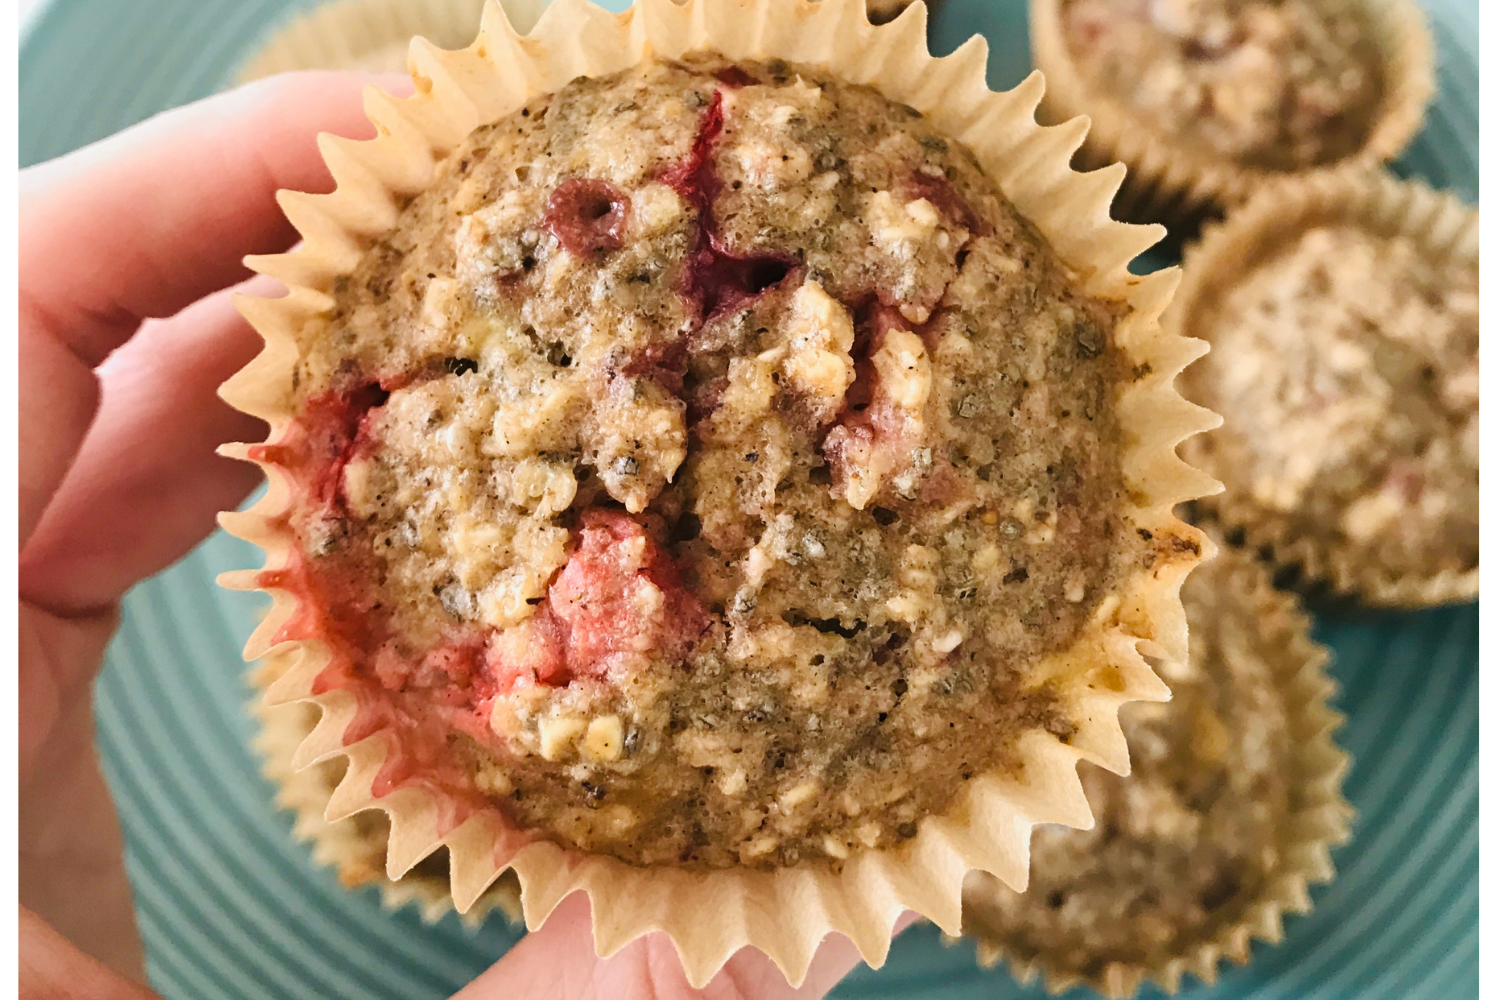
pixel 1347 370
pixel 1192 835
pixel 1279 84
pixel 697 468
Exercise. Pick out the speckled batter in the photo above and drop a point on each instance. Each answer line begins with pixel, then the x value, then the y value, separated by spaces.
pixel 696 470
pixel 1192 835
pixel 1347 370
pixel 1281 84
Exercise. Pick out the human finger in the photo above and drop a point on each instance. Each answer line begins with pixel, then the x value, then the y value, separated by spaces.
pixel 51 968
pixel 558 962
pixel 58 398
pixel 145 222
pixel 147 483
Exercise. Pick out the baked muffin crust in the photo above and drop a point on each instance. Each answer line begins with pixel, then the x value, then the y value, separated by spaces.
pixel 1277 84
pixel 698 467
pixel 1347 368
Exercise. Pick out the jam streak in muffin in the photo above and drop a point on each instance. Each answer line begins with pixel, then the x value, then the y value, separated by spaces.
pixel 592 613
pixel 618 594
pixel 601 608
pixel 872 429
pixel 716 280
pixel 322 441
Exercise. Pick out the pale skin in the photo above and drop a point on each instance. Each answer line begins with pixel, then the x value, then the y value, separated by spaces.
pixel 130 250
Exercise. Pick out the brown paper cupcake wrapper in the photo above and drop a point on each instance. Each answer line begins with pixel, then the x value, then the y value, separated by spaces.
pixel 355 851
pixel 1321 818
pixel 1439 224
pixel 373 35
pixel 784 913
pixel 1173 182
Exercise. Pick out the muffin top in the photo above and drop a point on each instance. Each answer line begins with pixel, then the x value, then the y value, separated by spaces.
pixel 698 468
pixel 1277 84
pixel 1182 846
pixel 1346 365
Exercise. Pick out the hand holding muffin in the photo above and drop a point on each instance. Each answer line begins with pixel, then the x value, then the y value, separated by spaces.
pixel 126 250
pixel 713 477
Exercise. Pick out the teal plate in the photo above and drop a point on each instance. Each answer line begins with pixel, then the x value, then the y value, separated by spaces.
pixel 231 907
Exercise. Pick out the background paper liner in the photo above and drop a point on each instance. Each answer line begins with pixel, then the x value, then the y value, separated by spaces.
pixel 355 850
pixel 1441 225
pixel 374 35
pixel 1320 817
pixel 787 912
pixel 886 10
pixel 1173 182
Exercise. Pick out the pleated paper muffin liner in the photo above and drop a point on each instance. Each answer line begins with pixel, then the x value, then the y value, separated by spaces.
pixel 1319 817
pixel 887 10
pixel 1441 225
pixel 355 850
pixel 788 911
pixel 373 35
pixel 1176 183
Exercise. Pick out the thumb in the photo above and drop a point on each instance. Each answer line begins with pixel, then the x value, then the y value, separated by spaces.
pixel 558 962
pixel 51 968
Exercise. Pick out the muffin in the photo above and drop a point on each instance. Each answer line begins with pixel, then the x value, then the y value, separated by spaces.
pixel 706 481
pixel 355 847
pixel 653 521
pixel 1228 813
pixel 1344 318
pixel 1206 99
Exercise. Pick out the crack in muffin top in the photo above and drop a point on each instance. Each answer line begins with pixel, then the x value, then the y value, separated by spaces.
pixel 697 469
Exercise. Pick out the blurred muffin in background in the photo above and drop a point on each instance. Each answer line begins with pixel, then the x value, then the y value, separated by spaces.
pixel 1344 319
pixel 1228 813
pixel 1206 99
pixel 374 35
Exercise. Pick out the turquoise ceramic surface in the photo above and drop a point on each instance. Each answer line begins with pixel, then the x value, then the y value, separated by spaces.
pixel 231 907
